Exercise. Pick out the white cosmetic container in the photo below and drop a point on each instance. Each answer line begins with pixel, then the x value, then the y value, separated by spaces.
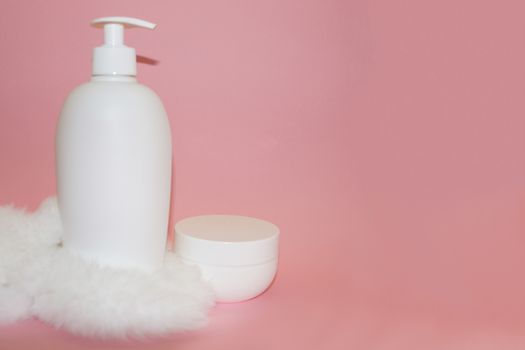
pixel 113 160
pixel 238 255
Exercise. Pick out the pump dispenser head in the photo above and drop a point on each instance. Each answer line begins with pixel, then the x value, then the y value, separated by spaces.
pixel 115 58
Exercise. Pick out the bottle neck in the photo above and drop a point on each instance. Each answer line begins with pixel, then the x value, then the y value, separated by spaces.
pixel 115 78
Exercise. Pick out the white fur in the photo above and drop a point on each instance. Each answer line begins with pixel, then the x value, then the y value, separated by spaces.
pixel 39 278
pixel 15 304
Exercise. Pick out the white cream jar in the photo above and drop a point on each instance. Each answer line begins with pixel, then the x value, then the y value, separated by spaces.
pixel 237 254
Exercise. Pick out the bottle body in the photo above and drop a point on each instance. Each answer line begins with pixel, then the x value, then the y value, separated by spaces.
pixel 113 154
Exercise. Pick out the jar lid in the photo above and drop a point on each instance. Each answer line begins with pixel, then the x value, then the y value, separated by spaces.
pixel 227 240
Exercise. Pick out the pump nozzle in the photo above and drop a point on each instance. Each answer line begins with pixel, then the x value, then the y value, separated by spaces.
pixel 114 58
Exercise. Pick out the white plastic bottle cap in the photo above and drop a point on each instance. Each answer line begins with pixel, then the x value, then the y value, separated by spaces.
pixel 115 58
pixel 237 254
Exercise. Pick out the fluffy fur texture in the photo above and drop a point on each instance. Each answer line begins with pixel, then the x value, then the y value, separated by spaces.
pixel 39 278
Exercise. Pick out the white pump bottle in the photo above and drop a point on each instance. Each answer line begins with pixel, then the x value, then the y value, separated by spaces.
pixel 113 160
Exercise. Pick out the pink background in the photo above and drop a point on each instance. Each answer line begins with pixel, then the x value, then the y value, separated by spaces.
pixel 386 139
